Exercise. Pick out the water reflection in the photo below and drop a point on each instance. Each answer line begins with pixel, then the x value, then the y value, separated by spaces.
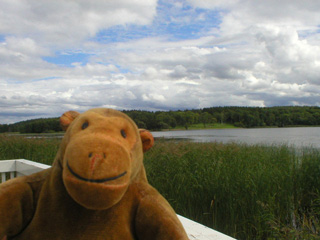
pixel 298 137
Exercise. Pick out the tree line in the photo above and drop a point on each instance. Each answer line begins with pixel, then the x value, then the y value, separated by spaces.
pixel 41 125
pixel 246 117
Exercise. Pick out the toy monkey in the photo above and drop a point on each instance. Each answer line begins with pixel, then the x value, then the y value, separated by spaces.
pixel 96 188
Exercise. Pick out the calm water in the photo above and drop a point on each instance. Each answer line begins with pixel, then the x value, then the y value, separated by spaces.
pixel 298 137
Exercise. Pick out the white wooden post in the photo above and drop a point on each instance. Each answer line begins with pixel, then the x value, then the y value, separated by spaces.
pixel 3 177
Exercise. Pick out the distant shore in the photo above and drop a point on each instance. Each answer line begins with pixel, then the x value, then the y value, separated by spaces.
pixel 226 126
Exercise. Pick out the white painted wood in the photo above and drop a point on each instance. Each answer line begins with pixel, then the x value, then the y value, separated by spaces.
pixel 7 165
pixel 198 231
pixel 24 167
pixel 21 167
pixel 3 177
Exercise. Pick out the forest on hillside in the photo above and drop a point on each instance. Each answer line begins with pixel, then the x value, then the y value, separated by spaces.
pixel 246 117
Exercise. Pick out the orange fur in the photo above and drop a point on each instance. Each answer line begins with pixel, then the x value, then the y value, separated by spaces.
pixel 96 189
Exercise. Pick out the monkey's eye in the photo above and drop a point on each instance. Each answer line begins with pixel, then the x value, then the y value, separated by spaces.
pixel 123 133
pixel 84 125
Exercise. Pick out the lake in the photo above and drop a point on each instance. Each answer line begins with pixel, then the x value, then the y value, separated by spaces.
pixel 296 136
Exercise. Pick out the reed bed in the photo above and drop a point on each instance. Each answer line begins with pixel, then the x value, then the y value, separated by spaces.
pixel 248 192
pixel 41 150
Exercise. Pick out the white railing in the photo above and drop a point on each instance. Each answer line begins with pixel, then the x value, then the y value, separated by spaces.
pixel 21 167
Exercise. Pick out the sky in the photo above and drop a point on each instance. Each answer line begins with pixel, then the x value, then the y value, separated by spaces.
pixel 153 55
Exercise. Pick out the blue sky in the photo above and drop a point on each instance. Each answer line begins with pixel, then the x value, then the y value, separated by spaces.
pixel 156 55
pixel 66 59
pixel 172 22
pixel 176 19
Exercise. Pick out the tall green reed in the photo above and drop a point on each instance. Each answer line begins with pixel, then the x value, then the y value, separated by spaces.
pixel 235 188
pixel 34 149
pixel 248 192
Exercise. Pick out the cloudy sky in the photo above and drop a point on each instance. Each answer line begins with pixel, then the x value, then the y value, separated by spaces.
pixel 156 55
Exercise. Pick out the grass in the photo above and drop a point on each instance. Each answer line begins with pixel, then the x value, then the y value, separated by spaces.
pixel 248 192
pixel 41 150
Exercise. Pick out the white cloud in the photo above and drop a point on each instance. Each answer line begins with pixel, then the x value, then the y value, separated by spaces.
pixel 256 53
pixel 25 46
pixel 21 60
pixel 64 23
pixel 213 3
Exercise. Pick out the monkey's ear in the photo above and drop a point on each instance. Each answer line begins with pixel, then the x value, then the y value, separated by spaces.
pixel 67 118
pixel 147 139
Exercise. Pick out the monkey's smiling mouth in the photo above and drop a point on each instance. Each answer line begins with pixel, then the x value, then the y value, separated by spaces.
pixel 94 180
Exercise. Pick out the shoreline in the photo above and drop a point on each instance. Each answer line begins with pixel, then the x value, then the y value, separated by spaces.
pixel 233 127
